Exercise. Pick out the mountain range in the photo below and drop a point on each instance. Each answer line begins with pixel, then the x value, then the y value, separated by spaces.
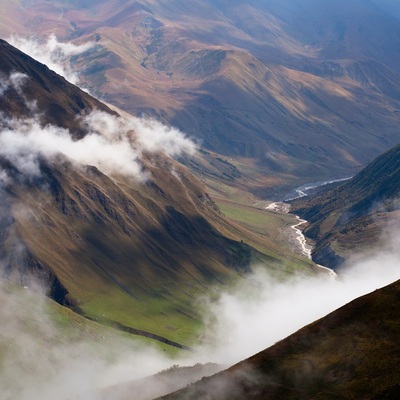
pixel 283 87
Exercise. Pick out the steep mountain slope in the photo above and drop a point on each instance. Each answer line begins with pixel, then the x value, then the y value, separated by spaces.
pixel 102 217
pixel 350 354
pixel 285 86
pixel 357 215
pixel 27 86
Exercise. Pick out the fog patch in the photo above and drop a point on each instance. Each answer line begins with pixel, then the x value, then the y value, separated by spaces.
pixel 113 144
pixel 49 51
pixel 42 359
pixel 258 312
pixel 262 310
pixel 16 80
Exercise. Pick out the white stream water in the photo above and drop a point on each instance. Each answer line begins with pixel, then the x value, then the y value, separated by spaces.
pixel 305 248
pixel 301 191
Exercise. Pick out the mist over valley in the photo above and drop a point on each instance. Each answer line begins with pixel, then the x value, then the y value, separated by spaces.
pixel 159 217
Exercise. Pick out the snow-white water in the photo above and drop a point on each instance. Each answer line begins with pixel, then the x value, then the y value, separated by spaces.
pixel 301 239
pixel 302 191
pixel 304 247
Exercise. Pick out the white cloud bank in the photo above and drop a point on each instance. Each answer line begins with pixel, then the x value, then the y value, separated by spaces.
pixel 113 144
pixel 262 310
pixel 41 362
pixel 259 312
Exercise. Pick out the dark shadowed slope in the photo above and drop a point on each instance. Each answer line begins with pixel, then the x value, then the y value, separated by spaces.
pixel 355 215
pixel 352 353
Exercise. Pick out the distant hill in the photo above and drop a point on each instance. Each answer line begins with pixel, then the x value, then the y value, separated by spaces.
pixel 350 354
pixel 354 216
pixel 295 89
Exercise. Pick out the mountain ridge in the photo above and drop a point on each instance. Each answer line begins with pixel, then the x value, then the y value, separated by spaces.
pixel 309 79
pixel 59 102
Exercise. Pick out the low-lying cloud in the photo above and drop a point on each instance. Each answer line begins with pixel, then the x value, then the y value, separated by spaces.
pixel 261 310
pixel 40 361
pixel 147 134
pixel 49 51
pixel 114 144
pixel 242 321
pixel 16 80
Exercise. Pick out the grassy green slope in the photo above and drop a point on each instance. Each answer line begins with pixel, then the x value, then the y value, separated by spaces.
pixel 35 313
pixel 45 348
pixel 124 252
pixel 139 254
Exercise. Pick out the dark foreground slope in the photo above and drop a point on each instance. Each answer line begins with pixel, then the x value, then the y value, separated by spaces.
pixel 352 353
pixel 357 214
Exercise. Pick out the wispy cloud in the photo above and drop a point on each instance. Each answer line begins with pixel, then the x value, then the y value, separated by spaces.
pixel 148 135
pixel 16 80
pixel 262 310
pixel 113 144
pixel 49 51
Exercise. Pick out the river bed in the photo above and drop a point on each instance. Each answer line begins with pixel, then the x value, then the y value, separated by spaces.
pixel 303 246
pixel 303 190
pixel 283 207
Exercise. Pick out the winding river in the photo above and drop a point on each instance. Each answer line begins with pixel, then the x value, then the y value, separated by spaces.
pixel 302 191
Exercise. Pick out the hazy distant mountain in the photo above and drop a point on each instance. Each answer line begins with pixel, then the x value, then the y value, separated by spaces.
pixel 305 88
pixel 356 216
pixel 350 354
